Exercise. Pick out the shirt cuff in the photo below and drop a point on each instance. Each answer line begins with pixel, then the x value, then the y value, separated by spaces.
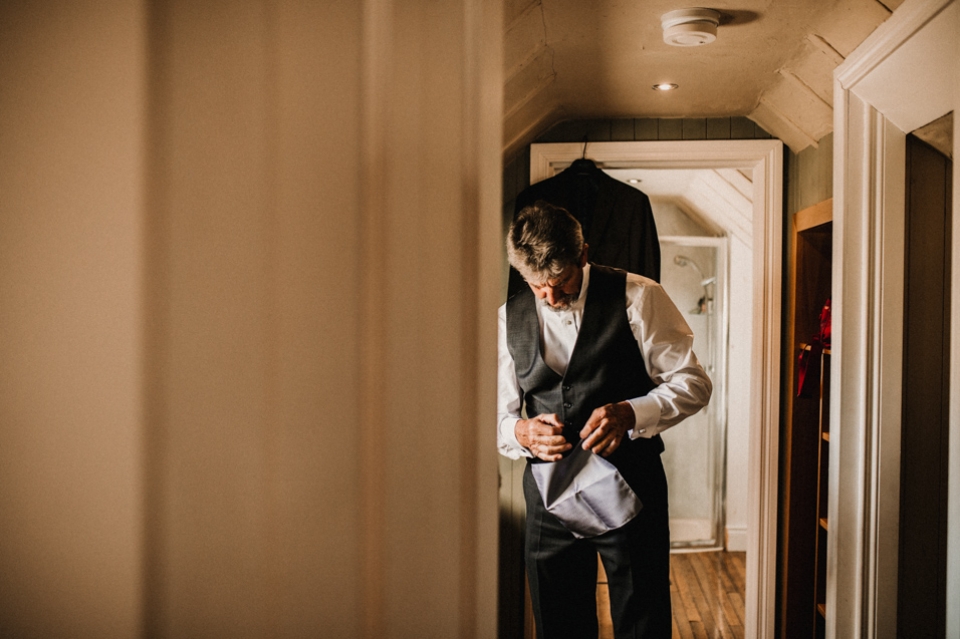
pixel 508 435
pixel 647 412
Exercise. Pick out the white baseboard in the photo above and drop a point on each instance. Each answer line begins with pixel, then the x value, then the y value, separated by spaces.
pixel 693 531
pixel 736 538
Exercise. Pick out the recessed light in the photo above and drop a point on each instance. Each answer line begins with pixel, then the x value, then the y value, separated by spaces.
pixel 634 181
pixel 665 86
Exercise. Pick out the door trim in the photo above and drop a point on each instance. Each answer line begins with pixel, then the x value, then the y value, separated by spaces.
pixel 881 91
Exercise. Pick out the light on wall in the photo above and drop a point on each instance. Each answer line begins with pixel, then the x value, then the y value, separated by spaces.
pixel 690 27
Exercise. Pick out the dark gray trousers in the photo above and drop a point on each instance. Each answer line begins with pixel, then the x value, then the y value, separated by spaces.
pixel 562 570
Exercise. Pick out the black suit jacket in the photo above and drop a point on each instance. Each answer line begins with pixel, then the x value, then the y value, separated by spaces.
pixel 617 219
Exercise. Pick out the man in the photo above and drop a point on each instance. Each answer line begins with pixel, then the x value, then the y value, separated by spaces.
pixel 602 360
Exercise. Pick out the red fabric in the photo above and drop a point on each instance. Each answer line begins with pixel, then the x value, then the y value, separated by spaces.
pixel 825 324
pixel 805 383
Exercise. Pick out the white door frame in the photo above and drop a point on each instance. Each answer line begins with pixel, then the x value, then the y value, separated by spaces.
pixel 901 77
pixel 765 159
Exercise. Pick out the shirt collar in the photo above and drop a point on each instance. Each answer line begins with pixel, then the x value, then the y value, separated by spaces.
pixel 583 286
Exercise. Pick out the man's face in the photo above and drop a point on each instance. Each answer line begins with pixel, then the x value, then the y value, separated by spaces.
pixel 560 292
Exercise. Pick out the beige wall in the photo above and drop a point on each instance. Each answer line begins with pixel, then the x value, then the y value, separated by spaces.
pixel 249 273
pixel 72 84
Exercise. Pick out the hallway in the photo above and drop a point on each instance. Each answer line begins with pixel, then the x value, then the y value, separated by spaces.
pixel 251 254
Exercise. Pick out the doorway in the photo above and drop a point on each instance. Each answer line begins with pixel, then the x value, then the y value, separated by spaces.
pixel 758 163
pixel 921 593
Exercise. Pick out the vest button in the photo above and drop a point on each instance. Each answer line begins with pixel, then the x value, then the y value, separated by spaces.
pixel 567 405
pixel 566 388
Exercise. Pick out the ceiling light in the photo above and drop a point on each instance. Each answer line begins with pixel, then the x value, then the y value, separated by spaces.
pixel 634 181
pixel 665 86
pixel 690 27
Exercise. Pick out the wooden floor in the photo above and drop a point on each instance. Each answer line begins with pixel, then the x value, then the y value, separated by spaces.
pixel 707 592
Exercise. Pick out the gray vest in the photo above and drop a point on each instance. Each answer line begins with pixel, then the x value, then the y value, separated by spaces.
pixel 606 365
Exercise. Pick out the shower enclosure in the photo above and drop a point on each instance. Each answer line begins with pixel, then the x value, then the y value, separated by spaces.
pixel 694 275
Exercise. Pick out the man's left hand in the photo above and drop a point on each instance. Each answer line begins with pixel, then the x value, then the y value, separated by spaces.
pixel 607 427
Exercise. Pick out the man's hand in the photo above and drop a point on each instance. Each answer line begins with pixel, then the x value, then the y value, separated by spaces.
pixel 607 427
pixel 542 437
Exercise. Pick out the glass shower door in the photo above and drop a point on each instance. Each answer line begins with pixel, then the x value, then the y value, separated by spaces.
pixel 693 276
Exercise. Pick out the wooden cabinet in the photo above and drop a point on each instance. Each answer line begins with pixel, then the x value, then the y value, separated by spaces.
pixel 806 434
pixel 823 459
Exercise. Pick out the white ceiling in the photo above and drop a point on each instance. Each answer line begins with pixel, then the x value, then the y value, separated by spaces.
pixel 772 62
pixel 720 200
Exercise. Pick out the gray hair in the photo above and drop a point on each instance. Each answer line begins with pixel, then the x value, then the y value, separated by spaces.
pixel 543 240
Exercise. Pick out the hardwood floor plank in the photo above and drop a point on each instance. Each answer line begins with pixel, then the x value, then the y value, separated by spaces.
pixel 701 594
pixel 736 598
pixel 681 624
pixel 737 562
pixel 689 588
pixel 603 611
pixel 706 593
pixel 716 566
pixel 730 616
pixel 728 577
pixel 729 613
pixel 699 631
pixel 715 584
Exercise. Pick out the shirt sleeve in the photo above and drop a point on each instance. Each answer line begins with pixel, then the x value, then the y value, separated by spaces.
pixel 508 395
pixel 666 342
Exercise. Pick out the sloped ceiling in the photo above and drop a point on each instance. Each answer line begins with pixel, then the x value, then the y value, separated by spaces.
pixel 939 134
pixel 773 62
pixel 720 200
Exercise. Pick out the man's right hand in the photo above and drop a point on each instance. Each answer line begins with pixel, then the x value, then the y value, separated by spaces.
pixel 542 437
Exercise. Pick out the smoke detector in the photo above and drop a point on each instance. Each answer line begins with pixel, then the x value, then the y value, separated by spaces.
pixel 690 27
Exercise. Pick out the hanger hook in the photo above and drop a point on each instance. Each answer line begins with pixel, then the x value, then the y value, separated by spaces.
pixel 583 155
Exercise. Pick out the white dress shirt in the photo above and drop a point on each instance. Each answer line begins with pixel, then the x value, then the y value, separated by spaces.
pixel 666 344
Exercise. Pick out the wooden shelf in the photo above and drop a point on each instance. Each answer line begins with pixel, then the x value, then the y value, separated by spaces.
pixel 814 216
pixel 807 347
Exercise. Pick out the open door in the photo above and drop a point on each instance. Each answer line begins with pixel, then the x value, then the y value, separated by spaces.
pixel 921 593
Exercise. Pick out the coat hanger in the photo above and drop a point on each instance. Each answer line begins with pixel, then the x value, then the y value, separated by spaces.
pixel 584 166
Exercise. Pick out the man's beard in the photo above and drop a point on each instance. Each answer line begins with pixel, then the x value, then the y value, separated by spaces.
pixel 563 303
